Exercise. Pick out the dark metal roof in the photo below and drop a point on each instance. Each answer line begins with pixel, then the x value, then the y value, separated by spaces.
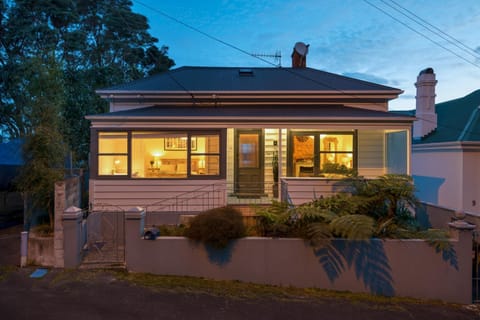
pixel 457 120
pixel 252 113
pixel 218 79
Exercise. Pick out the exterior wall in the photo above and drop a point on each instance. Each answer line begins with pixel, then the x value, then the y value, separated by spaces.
pixel 41 251
pixel 155 195
pixel 471 181
pixel 301 190
pixel 387 266
pixel 127 193
pixel 371 153
pixel 271 135
pixel 438 177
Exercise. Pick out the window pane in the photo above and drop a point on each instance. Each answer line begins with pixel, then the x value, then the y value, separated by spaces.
pixel 205 165
pixel 205 144
pixel 336 142
pixel 112 142
pixel 159 155
pixel 303 155
pixel 396 158
pixel 112 165
pixel 248 152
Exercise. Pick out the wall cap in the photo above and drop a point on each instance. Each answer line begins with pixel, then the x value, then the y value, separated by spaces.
pixel 461 225
pixel 135 213
pixel 72 213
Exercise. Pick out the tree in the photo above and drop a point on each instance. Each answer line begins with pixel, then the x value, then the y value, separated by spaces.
pixel 44 150
pixel 96 43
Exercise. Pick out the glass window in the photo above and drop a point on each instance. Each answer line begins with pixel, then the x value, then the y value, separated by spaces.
pixel 303 155
pixel 322 154
pixel 205 155
pixel 112 153
pixel 336 153
pixel 159 155
pixel 248 150
pixel 396 152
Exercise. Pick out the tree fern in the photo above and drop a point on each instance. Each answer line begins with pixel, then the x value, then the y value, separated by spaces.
pixel 354 226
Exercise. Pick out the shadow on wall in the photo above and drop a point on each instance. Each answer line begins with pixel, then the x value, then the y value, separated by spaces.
pixel 428 188
pixel 368 259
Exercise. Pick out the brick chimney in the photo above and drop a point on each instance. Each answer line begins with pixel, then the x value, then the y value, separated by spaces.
pixel 425 104
pixel 299 55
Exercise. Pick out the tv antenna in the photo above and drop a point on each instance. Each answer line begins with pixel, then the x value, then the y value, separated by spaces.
pixel 277 57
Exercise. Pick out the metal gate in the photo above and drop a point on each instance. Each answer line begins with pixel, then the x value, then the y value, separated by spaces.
pixel 105 238
pixel 476 268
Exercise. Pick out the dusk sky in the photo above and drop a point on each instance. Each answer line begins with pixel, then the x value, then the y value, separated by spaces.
pixel 351 37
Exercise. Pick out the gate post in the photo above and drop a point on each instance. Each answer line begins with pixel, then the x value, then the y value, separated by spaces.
pixel 134 226
pixel 72 237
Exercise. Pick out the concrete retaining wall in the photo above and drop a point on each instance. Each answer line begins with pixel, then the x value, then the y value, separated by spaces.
pixel 40 250
pixel 391 267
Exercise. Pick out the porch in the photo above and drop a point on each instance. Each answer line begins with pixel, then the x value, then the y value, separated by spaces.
pixel 172 173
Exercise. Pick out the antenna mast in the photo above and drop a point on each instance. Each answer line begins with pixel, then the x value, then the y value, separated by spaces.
pixel 277 57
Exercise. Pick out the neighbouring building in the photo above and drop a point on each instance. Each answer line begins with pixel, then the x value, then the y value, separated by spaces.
pixel 446 147
pixel 199 137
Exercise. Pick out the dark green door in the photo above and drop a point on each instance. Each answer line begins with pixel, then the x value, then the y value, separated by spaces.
pixel 249 165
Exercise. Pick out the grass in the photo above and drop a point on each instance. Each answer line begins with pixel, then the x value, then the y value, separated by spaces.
pixel 230 289
pixel 243 290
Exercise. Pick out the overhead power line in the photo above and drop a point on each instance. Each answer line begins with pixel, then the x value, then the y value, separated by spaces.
pixel 292 71
pixel 186 25
pixel 421 34
pixel 430 27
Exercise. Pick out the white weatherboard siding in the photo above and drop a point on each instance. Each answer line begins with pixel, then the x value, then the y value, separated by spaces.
pixel 105 194
pixel 371 153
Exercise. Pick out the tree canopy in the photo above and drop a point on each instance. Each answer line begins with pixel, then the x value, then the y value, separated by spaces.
pixel 94 44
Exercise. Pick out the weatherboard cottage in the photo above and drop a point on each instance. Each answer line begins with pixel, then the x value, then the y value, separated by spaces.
pixel 193 138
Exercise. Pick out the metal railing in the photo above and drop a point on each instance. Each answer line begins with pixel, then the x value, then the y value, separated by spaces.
pixel 200 199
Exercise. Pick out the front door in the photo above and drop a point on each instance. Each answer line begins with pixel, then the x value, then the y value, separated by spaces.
pixel 249 163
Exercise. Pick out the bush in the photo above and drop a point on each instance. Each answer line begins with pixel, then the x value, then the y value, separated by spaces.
pixel 217 227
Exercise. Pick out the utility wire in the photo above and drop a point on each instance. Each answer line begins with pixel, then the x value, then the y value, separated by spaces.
pixel 202 32
pixel 286 69
pixel 421 34
pixel 422 22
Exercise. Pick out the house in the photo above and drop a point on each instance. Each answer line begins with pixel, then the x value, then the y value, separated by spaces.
pixel 11 202
pixel 446 147
pixel 199 137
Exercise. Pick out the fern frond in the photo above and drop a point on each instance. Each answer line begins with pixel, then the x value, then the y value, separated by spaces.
pixel 319 234
pixel 354 226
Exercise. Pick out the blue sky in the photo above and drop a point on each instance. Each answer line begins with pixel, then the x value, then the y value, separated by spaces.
pixel 348 37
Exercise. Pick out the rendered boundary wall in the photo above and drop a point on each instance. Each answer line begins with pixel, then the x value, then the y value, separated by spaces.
pixel 389 267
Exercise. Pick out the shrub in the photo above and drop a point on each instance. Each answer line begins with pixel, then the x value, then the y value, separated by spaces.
pixel 217 227
pixel 274 220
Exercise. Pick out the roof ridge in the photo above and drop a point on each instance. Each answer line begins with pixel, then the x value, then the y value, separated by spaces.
pixel 471 120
